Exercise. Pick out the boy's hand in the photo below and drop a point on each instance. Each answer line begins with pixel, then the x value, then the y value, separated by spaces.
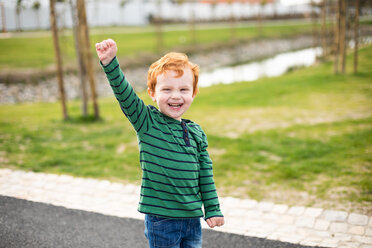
pixel 215 221
pixel 106 51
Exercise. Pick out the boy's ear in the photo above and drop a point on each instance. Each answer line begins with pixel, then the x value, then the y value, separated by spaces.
pixel 151 94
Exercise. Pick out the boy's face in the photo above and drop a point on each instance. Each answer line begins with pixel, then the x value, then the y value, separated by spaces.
pixel 173 95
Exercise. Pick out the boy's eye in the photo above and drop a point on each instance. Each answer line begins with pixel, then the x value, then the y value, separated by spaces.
pixel 184 89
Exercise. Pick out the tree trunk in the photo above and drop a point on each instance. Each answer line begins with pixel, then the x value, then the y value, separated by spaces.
pixel 158 29
pixel 356 35
pixel 259 21
pixel 3 17
pixel 57 52
pixel 18 21
pixel 214 11
pixel 275 7
pixel 337 37
pixel 38 19
pixel 343 35
pixel 80 57
pixel 314 24
pixel 324 28
pixel 192 22
pixel 87 53
pixel 232 23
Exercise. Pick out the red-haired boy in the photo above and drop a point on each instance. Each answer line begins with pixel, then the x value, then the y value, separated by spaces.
pixel 177 176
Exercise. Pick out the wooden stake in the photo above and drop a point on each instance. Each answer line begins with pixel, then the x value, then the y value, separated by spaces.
pixel 192 22
pixel 57 53
pixel 356 35
pixel 337 37
pixel 232 22
pixel 3 17
pixel 343 35
pixel 87 53
pixel 158 28
pixel 80 57
pixel 324 28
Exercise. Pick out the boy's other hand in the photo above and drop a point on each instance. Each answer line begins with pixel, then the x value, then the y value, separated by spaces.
pixel 215 221
pixel 106 51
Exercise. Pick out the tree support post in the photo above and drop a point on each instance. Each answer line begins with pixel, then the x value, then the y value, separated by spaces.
pixel 356 35
pixel 57 53
pixel 87 53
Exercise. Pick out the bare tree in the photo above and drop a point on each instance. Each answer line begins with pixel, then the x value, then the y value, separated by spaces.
pixel 336 49
pixel 158 28
pixel 340 37
pixel 192 21
pixel 232 21
pixel 85 43
pixel 324 28
pixel 123 3
pixel 80 58
pixel 356 35
pixel 343 35
pixel 275 7
pixel 57 52
pixel 214 10
pixel 179 4
pixel 260 16
pixel 314 21
pixel 18 14
pixel 3 17
pixel 36 8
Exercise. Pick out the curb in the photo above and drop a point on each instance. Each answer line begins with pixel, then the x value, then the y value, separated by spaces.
pixel 300 225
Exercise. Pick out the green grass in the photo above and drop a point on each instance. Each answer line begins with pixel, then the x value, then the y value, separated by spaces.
pixel 302 138
pixel 36 51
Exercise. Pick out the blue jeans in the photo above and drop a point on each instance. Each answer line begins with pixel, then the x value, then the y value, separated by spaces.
pixel 173 233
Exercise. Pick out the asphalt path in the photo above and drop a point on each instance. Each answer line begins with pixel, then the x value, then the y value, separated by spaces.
pixel 31 224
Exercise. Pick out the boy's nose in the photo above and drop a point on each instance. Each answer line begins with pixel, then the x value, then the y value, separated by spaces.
pixel 175 94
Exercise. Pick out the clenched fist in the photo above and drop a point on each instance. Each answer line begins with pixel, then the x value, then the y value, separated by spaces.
pixel 215 221
pixel 106 51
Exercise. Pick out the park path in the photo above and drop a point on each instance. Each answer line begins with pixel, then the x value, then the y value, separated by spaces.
pixel 293 224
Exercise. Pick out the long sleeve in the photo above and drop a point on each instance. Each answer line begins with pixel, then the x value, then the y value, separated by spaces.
pixel 207 185
pixel 131 105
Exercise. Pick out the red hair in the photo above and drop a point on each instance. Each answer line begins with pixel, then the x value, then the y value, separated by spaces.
pixel 172 62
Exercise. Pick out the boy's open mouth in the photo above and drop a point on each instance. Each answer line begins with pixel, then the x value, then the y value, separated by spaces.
pixel 175 105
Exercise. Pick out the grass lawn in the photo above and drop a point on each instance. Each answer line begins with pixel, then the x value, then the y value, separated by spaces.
pixel 36 51
pixel 303 138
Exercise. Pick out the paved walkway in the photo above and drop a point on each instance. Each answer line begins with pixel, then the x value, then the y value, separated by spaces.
pixel 297 224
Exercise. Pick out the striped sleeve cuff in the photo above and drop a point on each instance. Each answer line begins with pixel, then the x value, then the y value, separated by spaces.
pixel 213 212
pixel 110 67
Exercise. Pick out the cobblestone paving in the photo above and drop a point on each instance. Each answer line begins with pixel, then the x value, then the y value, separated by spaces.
pixel 296 224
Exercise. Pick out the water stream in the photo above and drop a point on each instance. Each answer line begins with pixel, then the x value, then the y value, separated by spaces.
pixel 271 67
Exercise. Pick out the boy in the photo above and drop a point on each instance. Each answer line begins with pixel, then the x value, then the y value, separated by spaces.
pixel 176 169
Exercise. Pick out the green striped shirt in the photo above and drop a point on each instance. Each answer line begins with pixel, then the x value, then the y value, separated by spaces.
pixel 177 175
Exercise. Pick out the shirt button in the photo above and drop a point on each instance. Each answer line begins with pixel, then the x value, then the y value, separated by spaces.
pixel 186 139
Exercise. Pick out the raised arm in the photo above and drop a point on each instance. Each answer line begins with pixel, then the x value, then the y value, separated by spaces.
pixel 131 105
